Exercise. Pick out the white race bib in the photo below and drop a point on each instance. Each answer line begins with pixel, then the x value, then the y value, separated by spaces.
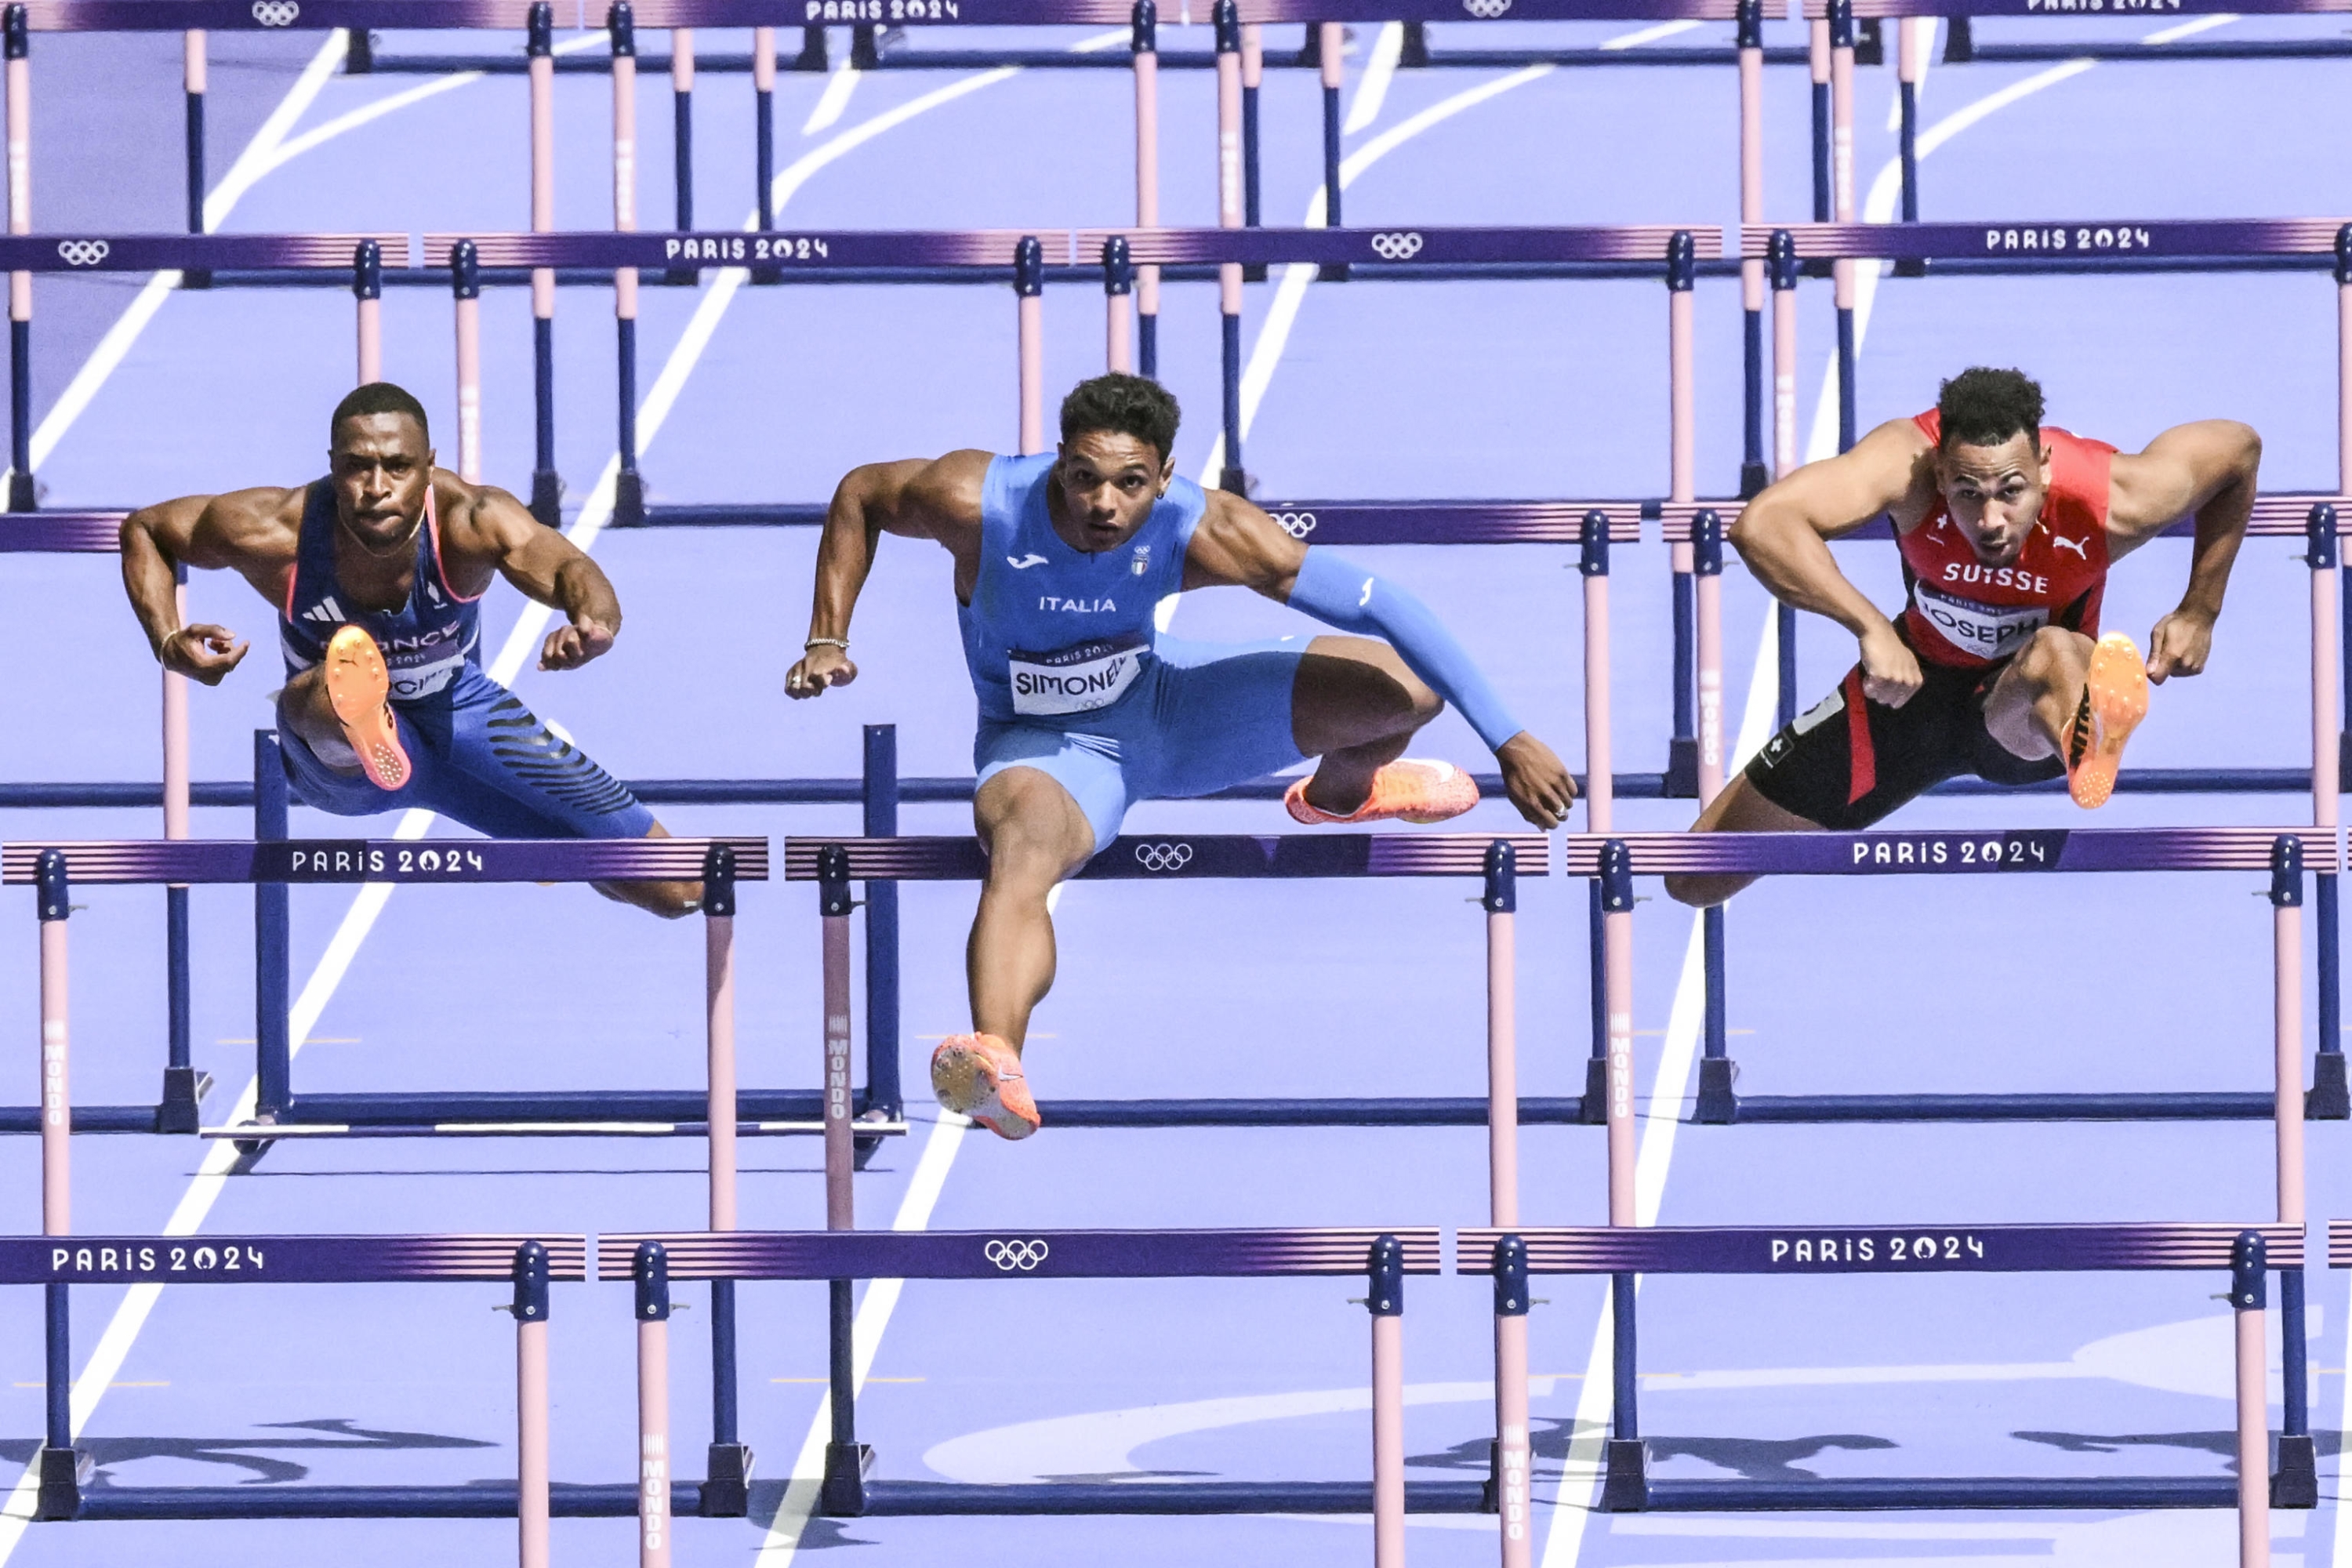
pixel 1982 631
pixel 1079 678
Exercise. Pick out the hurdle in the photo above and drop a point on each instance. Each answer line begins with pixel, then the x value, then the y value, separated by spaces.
pixel 1382 1257
pixel 2248 1253
pixel 57 1262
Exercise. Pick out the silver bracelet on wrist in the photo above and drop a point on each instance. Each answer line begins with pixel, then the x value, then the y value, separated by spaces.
pixel 825 642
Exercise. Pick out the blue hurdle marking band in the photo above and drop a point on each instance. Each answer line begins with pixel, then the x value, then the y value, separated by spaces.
pixel 61 532
pixel 1017 1254
pixel 2053 238
pixel 1415 246
pixel 387 861
pixel 275 1260
pixel 1448 522
pixel 1939 1248
pixel 2339 1244
pixel 279 16
pixel 1173 856
pixel 192 252
pixel 1882 853
pixel 270 16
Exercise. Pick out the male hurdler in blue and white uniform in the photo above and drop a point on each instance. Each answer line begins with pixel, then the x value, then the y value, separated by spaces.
pixel 1059 562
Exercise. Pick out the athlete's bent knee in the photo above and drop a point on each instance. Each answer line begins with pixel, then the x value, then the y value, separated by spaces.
pixel 2052 654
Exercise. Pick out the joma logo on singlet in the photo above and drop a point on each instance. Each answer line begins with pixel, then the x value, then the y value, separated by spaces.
pixel 1076 606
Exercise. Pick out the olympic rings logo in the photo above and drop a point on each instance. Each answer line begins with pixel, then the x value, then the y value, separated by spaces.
pixel 82 252
pixel 282 13
pixel 1010 1255
pixel 1163 857
pixel 1396 247
pixel 1298 524
pixel 1485 10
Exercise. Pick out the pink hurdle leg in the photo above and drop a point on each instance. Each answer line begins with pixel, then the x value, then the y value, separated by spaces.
pixel 1388 1441
pixel 2324 751
pixel 719 977
pixel 1599 795
pixel 57 1096
pixel 840 1145
pixel 469 388
pixel 2287 937
pixel 370 341
pixel 1511 1500
pixel 1617 942
pixel 651 1270
pixel 1146 190
pixel 1711 760
pixel 1032 373
pixel 530 1445
pixel 1502 1062
pixel 2248 1295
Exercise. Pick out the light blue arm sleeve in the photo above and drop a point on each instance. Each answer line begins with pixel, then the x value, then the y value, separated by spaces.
pixel 1342 595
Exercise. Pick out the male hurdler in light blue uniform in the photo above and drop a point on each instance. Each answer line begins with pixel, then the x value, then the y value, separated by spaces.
pixel 1059 562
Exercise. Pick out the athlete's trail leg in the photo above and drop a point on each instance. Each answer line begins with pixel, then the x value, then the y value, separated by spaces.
pixel 1035 836
pixel 1738 807
pixel 671 901
pixel 1357 706
pixel 2032 705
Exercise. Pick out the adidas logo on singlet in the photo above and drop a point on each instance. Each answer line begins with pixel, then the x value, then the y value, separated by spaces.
pixel 326 611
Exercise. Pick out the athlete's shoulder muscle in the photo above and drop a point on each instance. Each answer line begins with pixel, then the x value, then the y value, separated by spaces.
pixel 481 525
pixel 1235 544
pixel 247 530
pixel 2175 474
pixel 1891 470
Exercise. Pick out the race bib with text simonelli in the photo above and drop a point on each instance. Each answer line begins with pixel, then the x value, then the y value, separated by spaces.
pixel 1079 678
pixel 1984 631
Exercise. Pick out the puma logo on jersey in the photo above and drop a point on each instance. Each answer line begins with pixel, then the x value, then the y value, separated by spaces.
pixel 1026 561
pixel 326 611
pixel 2079 547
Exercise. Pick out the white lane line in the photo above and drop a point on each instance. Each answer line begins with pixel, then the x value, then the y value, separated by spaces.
pixel 1373 87
pixel 834 99
pixel 1648 35
pixel 2190 29
pixel 205 1188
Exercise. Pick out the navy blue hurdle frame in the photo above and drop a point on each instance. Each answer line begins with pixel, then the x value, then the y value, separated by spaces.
pixel 2248 1253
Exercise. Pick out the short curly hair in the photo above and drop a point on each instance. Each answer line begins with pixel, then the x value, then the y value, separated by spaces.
pixel 1130 405
pixel 1983 407
pixel 377 397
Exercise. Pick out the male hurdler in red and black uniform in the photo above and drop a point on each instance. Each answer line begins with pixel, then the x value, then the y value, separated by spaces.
pixel 1996 667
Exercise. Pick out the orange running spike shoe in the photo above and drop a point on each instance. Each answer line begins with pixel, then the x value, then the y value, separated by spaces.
pixel 979 1076
pixel 359 692
pixel 2114 699
pixel 1413 788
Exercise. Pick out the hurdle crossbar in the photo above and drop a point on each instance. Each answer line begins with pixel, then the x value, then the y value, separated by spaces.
pixel 57 1262
pixel 2247 1252
pixel 1382 1256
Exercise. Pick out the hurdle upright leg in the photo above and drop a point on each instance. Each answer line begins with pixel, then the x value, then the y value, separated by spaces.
pixel 727 1472
pixel 763 118
pixel 183 1087
pixel 885 1101
pixel 1780 258
pixel 192 84
pixel 16 48
pixel 273 1066
pixel 1751 44
pixel 1512 1500
pixel 1617 912
pixel 367 295
pixel 529 1309
pixel 1910 50
pixel 1145 45
pixel 62 1470
pixel 1331 51
pixel 2329 1098
pixel 2247 1293
pixel 1386 1303
pixel 1817 39
pixel 1681 464
pixel 650 1269
pixel 1029 315
pixel 1253 79
pixel 1706 582
pixel 1600 798
pixel 1231 479
pixel 1119 284
pixel 1841 193
pixel 2296 1482
pixel 466 292
pixel 847 1460
pixel 546 486
pixel 629 487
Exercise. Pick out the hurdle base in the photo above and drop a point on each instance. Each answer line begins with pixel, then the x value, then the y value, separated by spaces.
pixel 1933 1492
pixel 628 498
pixel 2329 1099
pixel 1626 1476
pixel 22 496
pixel 1593 1111
pixel 547 498
pixel 180 1108
pixel 842 1494
pixel 915 1499
pixel 727 1485
pixel 1681 768
pixel 2296 1482
pixel 1718 1106
pixel 1731 1108
pixel 63 1473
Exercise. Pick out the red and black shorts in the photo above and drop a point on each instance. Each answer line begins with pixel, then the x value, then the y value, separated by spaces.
pixel 1850 761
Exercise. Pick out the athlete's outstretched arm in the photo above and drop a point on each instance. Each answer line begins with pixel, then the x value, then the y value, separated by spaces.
pixel 2207 469
pixel 919 498
pixel 1783 535
pixel 204 533
pixel 1238 545
pixel 487 523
